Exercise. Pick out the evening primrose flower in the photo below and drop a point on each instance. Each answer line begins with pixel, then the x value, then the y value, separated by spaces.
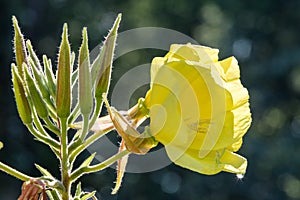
pixel 199 109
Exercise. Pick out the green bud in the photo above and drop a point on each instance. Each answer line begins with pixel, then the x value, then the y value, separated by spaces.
pixel 19 46
pixel 23 106
pixel 102 66
pixel 36 97
pixel 85 84
pixel 63 93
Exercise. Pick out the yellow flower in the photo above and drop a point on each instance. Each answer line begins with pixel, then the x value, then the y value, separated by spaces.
pixel 199 109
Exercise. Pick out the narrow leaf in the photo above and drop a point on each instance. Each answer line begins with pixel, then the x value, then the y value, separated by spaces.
pixel 55 195
pixel 73 56
pixel 88 196
pixel 49 194
pixel 33 55
pixel 50 79
pixel 43 171
pixel 88 161
pixel 78 190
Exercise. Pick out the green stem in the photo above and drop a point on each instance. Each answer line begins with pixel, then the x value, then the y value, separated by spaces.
pixel 85 127
pixel 79 145
pixel 51 108
pixel 51 126
pixel 64 159
pixel 13 172
pixel 74 114
pixel 96 112
pixel 39 126
pixel 108 162
pixel 88 142
pixel 49 141
pixel 98 167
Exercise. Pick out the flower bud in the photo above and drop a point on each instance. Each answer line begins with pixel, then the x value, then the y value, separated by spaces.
pixel 101 68
pixel 19 46
pixel 63 93
pixel 21 99
pixel 36 97
pixel 40 81
pixel 85 84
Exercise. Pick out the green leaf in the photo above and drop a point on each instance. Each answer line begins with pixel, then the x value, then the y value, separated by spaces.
pixel 33 55
pixel 63 93
pixel 43 171
pixel 88 161
pixel 73 56
pixel 54 194
pixel 23 106
pixel 78 190
pixel 85 84
pixel 50 79
pixel 19 46
pixel 49 195
pixel 89 195
pixel 74 77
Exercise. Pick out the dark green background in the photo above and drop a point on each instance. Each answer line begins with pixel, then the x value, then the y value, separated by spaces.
pixel 271 71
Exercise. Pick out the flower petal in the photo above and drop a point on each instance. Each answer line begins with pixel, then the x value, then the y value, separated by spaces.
pixel 213 163
pixel 234 163
pixel 199 109
pixel 192 53
pixel 231 68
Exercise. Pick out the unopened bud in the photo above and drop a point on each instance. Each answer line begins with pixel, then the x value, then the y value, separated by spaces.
pixel 85 84
pixel 36 97
pixel 20 96
pixel 102 66
pixel 63 93
pixel 19 46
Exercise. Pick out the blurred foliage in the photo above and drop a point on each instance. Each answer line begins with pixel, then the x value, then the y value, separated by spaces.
pixel 263 34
